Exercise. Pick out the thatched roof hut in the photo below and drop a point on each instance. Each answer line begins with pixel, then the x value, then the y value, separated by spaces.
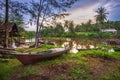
pixel 12 31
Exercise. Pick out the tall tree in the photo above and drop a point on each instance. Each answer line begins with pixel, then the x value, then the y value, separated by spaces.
pixel 71 27
pixel 59 30
pixel 6 21
pixel 101 16
pixel 6 11
pixel 45 11
pixel 88 25
pixel 77 28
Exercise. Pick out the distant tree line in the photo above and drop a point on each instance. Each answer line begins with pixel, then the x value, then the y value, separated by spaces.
pixel 69 29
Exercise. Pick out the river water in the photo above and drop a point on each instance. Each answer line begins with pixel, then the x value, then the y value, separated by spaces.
pixel 76 44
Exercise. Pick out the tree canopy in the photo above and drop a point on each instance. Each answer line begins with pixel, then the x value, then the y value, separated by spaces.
pixel 101 16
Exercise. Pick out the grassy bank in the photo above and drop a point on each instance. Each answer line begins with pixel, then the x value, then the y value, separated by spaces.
pixel 85 65
pixel 42 47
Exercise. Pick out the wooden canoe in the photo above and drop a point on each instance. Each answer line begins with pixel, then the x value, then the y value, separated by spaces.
pixel 6 50
pixel 30 58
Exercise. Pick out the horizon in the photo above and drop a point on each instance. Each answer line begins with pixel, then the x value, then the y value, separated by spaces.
pixel 82 11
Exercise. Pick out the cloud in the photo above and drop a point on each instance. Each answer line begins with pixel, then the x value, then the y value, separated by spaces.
pixel 113 8
pixel 82 15
pixel 84 10
pixel 83 4
pixel 30 27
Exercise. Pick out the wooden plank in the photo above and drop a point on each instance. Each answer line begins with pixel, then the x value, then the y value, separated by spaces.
pixel 6 51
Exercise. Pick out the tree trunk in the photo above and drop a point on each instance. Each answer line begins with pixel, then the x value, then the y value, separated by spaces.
pixel 7 10
pixel 37 32
pixel 6 21
pixel 37 26
pixel 41 24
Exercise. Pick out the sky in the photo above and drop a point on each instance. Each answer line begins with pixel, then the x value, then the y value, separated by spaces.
pixel 84 10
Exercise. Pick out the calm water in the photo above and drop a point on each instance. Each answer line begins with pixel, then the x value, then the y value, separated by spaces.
pixel 77 44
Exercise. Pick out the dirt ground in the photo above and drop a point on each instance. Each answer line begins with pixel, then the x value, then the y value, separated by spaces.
pixel 98 65
pixel 101 65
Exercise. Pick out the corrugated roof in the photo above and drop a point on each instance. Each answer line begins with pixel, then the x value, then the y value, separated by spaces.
pixel 108 30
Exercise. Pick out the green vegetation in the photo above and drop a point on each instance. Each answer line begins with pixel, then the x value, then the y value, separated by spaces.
pixel 83 30
pixel 40 48
pixel 29 70
pixel 27 34
pixel 67 66
pixel 100 53
pixel 114 76
pixel 85 65
pixel 6 68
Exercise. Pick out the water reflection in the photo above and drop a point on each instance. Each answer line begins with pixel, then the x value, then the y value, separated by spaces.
pixel 77 45
pixel 73 50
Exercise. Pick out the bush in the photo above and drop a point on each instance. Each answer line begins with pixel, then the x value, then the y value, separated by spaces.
pixel 118 34
pixel 104 35
pixel 92 34
pixel 107 34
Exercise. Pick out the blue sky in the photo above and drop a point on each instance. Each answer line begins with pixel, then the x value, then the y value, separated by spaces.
pixel 88 7
pixel 84 10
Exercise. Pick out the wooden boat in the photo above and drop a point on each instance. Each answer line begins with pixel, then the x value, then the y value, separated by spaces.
pixel 6 50
pixel 29 58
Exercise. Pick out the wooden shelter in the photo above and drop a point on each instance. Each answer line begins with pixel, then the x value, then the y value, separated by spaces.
pixel 12 32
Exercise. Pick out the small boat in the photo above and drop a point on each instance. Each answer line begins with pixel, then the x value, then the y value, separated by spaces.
pixel 30 58
pixel 6 50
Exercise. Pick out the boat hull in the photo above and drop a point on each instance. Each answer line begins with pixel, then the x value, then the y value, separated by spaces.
pixel 33 58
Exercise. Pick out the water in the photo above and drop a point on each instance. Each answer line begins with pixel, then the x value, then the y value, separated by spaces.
pixel 30 40
pixel 76 44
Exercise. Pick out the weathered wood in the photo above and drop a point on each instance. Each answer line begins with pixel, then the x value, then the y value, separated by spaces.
pixel 6 50
pixel 29 58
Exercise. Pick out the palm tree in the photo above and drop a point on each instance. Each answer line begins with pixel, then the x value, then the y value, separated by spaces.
pixel 101 16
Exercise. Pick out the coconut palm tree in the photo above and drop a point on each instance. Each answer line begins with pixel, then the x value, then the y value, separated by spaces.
pixel 101 16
